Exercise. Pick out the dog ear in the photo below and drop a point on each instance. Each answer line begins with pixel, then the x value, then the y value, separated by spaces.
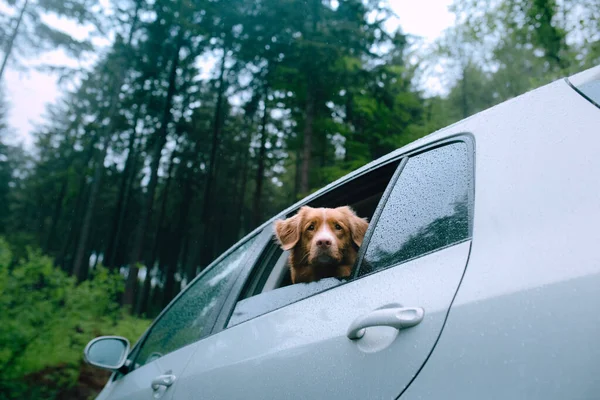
pixel 358 226
pixel 288 232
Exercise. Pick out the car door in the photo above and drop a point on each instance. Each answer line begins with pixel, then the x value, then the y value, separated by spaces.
pixel 412 260
pixel 170 342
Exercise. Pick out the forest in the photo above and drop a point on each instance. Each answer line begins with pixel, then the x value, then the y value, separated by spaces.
pixel 199 120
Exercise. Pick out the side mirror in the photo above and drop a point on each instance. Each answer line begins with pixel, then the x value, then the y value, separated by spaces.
pixel 107 352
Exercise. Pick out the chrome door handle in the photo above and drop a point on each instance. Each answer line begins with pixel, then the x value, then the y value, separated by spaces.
pixel 163 380
pixel 397 317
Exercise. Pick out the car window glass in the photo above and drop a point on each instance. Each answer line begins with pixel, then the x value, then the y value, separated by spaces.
pixel 591 90
pixel 192 316
pixel 428 208
pixel 588 86
pixel 268 301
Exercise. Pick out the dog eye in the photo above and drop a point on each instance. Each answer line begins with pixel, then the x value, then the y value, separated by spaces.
pixel 311 227
pixel 338 227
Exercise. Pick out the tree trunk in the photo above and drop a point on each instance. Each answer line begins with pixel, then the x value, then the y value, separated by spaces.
pixel 242 193
pixel 79 268
pixel 465 98
pixel 189 268
pixel 309 119
pixel 73 221
pixel 297 173
pixel 11 41
pixel 124 189
pixel 161 139
pixel 97 257
pixel 309 106
pixel 205 253
pixel 128 172
pixel 260 170
pixel 171 268
pixel 142 301
pixel 173 261
pixel 80 264
pixel 56 215
pixel 217 128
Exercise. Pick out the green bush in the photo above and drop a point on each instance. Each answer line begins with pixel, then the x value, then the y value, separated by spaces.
pixel 46 319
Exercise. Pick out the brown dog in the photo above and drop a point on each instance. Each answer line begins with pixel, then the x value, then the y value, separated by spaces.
pixel 324 242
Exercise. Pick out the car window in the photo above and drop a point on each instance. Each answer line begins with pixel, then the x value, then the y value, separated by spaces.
pixel 193 314
pixel 587 83
pixel 592 91
pixel 428 208
pixel 269 285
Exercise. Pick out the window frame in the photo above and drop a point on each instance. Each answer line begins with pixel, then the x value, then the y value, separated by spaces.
pixel 251 255
pixel 401 158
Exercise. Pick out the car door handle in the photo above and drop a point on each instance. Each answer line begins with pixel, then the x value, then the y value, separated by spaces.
pixel 162 380
pixel 397 317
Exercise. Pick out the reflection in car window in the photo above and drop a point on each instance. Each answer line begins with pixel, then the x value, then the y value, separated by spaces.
pixel 591 90
pixel 428 208
pixel 192 316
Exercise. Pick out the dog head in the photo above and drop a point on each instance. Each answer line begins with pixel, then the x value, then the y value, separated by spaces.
pixel 322 236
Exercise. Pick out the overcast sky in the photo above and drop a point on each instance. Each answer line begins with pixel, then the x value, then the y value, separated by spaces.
pixel 28 93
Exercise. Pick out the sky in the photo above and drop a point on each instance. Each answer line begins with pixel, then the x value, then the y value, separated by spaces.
pixel 29 92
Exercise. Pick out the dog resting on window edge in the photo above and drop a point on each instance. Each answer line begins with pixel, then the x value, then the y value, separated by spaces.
pixel 323 242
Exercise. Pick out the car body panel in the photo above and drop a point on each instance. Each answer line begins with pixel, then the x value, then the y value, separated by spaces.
pixel 137 384
pixel 524 323
pixel 302 351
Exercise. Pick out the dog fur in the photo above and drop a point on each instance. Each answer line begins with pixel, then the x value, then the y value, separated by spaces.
pixel 323 242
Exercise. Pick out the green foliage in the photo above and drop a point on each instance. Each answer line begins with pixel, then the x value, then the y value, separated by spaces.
pixel 46 320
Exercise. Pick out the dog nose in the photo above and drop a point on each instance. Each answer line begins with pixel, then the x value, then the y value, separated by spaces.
pixel 323 242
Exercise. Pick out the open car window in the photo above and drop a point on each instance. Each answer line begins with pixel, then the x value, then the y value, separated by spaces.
pixel 424 200
pixel 270 286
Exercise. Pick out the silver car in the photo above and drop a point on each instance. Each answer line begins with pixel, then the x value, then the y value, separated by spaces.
pixel 479 278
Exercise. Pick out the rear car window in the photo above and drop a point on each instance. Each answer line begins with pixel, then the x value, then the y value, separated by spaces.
pixel 429 208
pixel 587 83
